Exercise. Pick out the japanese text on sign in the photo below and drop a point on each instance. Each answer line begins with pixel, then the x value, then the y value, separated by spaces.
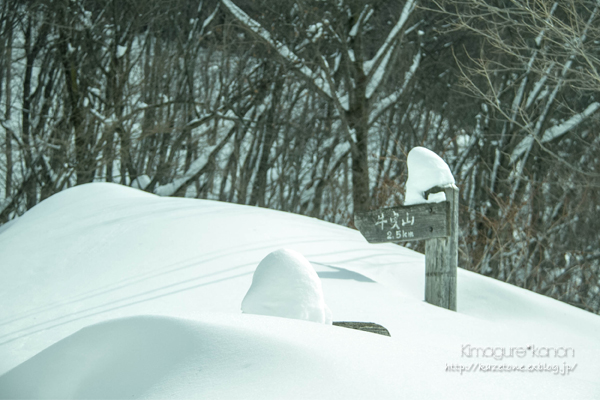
pixel 399 226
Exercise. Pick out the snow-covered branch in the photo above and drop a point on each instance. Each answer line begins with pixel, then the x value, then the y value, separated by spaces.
pixel 366 13
pixel 384 104
pixel 375 67
pixel 556 131
pixel 317 77
pixel 198 167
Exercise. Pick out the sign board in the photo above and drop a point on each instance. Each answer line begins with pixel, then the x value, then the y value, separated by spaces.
pixel 404 223
pixel 435 222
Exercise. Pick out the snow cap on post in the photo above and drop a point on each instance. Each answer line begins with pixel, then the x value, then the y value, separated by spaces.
pixel 286 285
pixel 425 171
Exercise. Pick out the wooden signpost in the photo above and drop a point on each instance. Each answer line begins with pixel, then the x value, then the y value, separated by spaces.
pixel 435 222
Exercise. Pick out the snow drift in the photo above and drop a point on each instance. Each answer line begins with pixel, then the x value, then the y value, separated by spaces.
pixel 81 272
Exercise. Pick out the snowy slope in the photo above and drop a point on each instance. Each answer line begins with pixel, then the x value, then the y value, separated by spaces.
pixel 234 354
pixel 107 290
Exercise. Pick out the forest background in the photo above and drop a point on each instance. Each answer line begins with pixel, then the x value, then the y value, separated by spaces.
pixel 311 106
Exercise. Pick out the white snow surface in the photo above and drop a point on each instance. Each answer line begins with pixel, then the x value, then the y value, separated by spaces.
pixel 110 292
pixel 285 285
pixel 425 171
pixel 121 50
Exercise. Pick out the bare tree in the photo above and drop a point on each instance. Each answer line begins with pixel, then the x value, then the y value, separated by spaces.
pixel 530 160
pixel 343 69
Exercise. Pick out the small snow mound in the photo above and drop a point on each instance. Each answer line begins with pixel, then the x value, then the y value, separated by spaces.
pixel 425 171
pixel 286 285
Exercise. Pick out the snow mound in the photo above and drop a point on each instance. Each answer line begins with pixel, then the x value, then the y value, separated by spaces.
pixel 286 285
pixel 425 170
pixel 218 356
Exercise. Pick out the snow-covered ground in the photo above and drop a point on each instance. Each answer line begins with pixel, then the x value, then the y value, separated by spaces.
pixel 110 292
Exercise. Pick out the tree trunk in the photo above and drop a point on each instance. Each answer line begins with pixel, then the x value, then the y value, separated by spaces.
pixel 358 121
pixel 30 186
pixel 7 112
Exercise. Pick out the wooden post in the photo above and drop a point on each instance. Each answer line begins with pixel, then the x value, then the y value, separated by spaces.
pixel 441 259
